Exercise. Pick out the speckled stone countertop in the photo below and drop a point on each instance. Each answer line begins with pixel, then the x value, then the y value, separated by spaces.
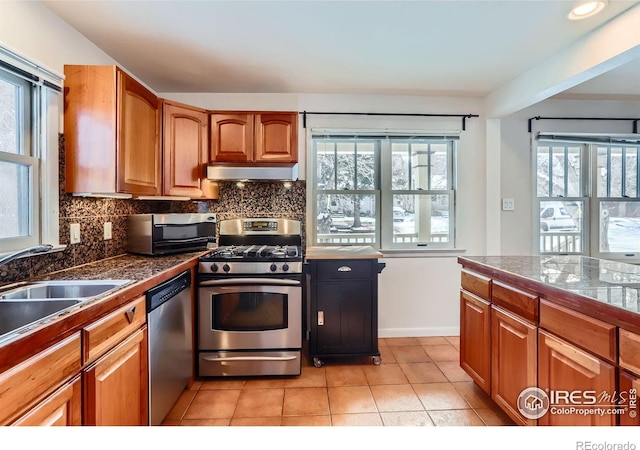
pixel 342 252
pixel 589 282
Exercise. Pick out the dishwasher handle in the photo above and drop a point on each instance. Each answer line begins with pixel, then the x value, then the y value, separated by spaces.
pixel 163 292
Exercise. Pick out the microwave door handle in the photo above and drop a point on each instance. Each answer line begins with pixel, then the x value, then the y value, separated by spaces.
pixel 253 281
pixel 249 358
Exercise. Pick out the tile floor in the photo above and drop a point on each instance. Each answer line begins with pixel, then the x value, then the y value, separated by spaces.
pixel 419 383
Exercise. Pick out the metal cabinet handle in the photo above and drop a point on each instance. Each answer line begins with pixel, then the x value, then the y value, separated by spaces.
pixel 130 314
pixel 344 269
pixel 320 318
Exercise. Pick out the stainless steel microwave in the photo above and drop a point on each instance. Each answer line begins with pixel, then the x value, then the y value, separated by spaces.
pixel 163 234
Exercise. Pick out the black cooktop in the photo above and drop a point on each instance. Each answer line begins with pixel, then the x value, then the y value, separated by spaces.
pixel 254 253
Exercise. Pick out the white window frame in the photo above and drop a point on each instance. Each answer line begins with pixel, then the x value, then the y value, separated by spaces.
pixel 42 154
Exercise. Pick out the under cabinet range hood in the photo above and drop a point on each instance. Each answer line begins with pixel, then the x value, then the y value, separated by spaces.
pixel 252 173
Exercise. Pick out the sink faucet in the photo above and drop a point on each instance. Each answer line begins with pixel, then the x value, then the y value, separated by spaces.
pixel 35 249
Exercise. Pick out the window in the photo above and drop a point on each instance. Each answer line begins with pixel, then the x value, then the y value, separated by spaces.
pixel 388 191
pixel 589 197
pixel 28 154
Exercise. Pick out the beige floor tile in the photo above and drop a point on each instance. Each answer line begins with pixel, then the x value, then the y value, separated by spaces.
pixel 384 374
pixel 351 399
pixel 305 401
pixel 423 372
pixel 264 383
pixel 452 371
pixel 181 405
pixel 440 396
pixel 494 416
pixel 213 404
pixel 401 341
pixel 446 352
pixel 392 397
pixel 352 420
pixel 256 421
pixel 195 386
pixel 306 421
pixel 351 375
pixel 382 343
pixel 309 377
pixel 222 383
pixel 386 356
pixel 475 396
pixel 409 353
pixel 432 340
pixel 170 422
pixel 260 403
pixel 458 417
pixel 454 340
pixel 406 418
pixel 205 422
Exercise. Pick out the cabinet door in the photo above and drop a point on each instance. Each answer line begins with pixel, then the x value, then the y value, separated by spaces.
pixel 62 408
pixel 564 367
pixel 630 388
pixel 185 150
pixel 232 137
pixel 276 137
pixel 117 385
pixel 343 317
pixel 475 339
pixel 513 361
pixel 138 124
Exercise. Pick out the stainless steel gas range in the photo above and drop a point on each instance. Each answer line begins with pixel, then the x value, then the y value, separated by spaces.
pixel 250 300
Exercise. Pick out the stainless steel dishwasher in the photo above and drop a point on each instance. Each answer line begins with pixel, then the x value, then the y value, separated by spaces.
pixel 170 343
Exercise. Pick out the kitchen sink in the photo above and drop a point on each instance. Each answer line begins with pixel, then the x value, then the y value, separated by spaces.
pixel 28 303
pixel 61 289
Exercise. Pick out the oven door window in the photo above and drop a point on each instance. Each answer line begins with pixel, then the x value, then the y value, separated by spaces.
pixel 249 311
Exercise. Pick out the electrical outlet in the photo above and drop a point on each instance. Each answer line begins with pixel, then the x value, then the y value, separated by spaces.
pixel 508 204
pixel 107 231
pixel 75 233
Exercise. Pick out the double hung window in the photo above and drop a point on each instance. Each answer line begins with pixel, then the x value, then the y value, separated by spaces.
pixel 388 191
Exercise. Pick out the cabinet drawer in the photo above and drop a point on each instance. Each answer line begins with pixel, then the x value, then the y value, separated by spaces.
pixel 476 284
pixel 522 303
pixel 592 334
pixel 630 351
pixel 29 381
pixel 344 269
pixel 104 334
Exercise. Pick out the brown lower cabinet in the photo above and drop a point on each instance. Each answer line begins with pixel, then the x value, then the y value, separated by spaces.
pixel 116 385
pixel 564 367
pixel 513 361
pixel 475 339
pixel 62 408
pixel 630 388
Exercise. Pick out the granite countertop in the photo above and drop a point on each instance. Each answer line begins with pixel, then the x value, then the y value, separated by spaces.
pixel 143 272
pixel 342 252
pixel 607 282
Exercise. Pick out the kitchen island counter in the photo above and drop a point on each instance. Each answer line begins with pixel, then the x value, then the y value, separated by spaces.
pixel 603 289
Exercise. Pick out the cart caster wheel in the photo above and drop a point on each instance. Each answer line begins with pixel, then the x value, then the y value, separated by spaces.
pixel 376 360
pixel 317 363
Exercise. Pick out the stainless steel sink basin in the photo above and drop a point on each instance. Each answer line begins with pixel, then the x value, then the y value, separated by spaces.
pixel 28 303
pixel 62 289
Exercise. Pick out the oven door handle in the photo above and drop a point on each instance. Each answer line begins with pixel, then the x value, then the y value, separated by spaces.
pixel 248 358
pixel 236 281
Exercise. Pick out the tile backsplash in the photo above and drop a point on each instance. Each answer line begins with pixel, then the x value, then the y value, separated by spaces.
pixel 256 199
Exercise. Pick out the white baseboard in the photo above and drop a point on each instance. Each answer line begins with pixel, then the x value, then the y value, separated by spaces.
pixel 418 332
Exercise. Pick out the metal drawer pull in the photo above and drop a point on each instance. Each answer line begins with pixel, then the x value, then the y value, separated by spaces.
pixel 344 269
pixel 320 318
pixel 130 314
pixel 249 358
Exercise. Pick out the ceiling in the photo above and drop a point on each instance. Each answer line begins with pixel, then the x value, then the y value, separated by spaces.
pixel 455 47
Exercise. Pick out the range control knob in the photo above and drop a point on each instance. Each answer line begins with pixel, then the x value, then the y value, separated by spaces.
pixel 273 267
pixel 226 268
pixel 214 267
pixel 285 267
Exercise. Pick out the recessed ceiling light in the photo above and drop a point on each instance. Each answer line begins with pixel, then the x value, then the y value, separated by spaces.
pixel 588 8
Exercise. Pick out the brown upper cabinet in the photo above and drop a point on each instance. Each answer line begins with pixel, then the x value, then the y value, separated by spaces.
pixel 185 150
pixel 112 132
pixel 260 137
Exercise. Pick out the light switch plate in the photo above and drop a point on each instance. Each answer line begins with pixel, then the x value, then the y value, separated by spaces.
pixel 508 204
pixel 74 236
pixel 107 231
